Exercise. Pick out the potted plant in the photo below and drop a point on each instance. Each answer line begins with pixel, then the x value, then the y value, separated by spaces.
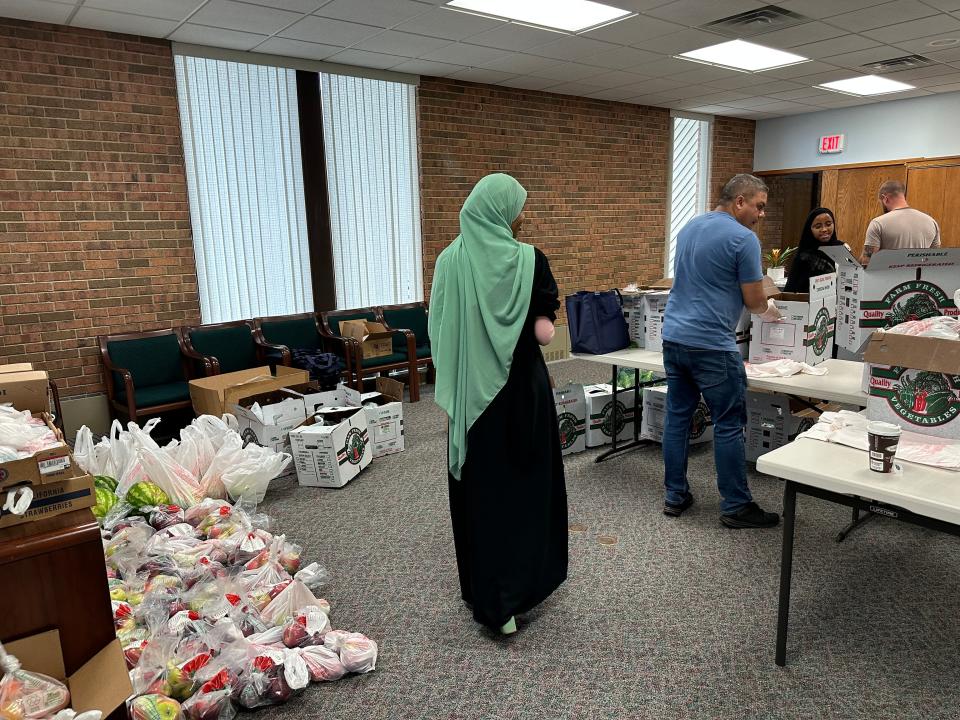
pixel 776 261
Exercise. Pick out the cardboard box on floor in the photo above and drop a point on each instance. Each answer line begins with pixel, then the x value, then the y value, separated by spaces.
pixel 279 413
pixel 375 340
pixel 53 465
pixel 806 332
pixel 896 286
pixel 102 683
pixel 603 416
pixel 914 382
pixel 773 420
pixel 214 395
pixel 385 421
pixel 26 389
pixel 653 418
pixel 54 498
pixel 332 454
pixel 571 417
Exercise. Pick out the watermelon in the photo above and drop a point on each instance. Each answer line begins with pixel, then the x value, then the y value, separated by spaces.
pixel 146 494
pixel 106 499
pixel 106 482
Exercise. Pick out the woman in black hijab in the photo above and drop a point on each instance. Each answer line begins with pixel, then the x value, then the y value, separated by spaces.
pixel 819 230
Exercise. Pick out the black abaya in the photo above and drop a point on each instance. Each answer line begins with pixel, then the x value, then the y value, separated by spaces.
pixel 509 509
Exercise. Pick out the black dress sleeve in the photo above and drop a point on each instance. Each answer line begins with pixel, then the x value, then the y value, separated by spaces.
pixel 544 299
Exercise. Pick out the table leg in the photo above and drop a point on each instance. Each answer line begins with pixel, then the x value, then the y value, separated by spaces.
pixel 786 569
pixel 856 521
pixel 637 410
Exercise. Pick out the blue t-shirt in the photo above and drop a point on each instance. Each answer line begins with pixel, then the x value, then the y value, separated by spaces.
pixel 715 255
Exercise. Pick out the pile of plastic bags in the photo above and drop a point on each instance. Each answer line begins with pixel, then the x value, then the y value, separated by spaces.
pixel 22 435
pixel 213 610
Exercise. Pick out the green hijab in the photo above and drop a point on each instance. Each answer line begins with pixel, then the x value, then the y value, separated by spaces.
pixel 478 305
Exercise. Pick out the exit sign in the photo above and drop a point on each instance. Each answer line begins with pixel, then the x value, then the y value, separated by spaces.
pixel 831 144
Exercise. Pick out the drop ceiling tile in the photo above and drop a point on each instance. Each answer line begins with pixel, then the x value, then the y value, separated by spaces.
pixel 528 82
pixel 933 83
pixel 785 107
pixel 798 35
pixel 571 47
pixel 824 8
pixel 891 13
pixel 948 55
pixel 753 102
pixel 633 31
pixel 834 46
pixel 571 88
pixel 621 58
pixel 652 86
pixel 364 58
pixel 829 76
pixel 393 42
pixel 742 80
pixel 711 109
pixel 428 67
pixel 667 66
pixel 803 93
pixel 922 45
pixel 690 91
pixel 301 6
pixel 639 5
pixel 568 72
pixel 167 10
pixel 701 73
pixel 718 98
pixel 122 22
pixel 216 37
pixel 945 5
pixel 919 92
pixel 931 71
pixel 482 75
pixel 697 12
pixel 511 36
pixel 384 13
pixel 297 48
pixel 857 60
pixel 653 100
pixel 796 71
pixel 36 10
pixel 243 17
pixel 612 94
pixel 775 86
pixel 937 89
pixel 520 63
pixel 448 24
pixel 615 79
pixel 328 31
pixel 934 25
pixel 680 42
pixel 464 54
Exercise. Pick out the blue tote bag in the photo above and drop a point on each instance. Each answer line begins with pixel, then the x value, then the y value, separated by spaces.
pixel 596 322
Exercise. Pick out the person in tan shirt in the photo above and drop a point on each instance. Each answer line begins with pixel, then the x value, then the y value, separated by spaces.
pixel 900 226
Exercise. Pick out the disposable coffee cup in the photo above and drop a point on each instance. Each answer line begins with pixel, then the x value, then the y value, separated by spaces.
pixel 883 438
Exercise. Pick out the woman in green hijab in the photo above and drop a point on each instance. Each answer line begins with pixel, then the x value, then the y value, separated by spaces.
pixel 490 300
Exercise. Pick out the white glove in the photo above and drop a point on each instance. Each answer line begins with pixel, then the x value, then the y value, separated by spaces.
pixel 772 314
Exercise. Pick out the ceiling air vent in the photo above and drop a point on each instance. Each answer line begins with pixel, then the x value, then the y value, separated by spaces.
pixel 907 62
pixel 755 22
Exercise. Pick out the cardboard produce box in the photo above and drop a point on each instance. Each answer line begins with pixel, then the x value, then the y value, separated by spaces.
pixel 773 420
pixel 214 395
pixel 55 498
pixel 654 416
pixel 654 310
pixel 16 367
pixel 571 418
pixel 101 683
pixel 55 464
pixel 633 314
pixel 26 389
pixel 806 332
pixel 914 382
pixel 896 286
pixel 375 340
pixel 332 454
pixel 604 417
pixel 266 419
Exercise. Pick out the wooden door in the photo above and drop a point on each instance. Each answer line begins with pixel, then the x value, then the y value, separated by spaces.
pixel 852 195
pixel 933 190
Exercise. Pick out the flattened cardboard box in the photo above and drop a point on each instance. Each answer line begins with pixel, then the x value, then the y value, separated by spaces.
pixel 52 465
pixel 52 499
pixel 101 683
pixel 571 418
pixel 214 394
pixel 603 417
pixel 332 454
pixel 914 383
pixel 806 332
pixel 896 286
pixel 26 390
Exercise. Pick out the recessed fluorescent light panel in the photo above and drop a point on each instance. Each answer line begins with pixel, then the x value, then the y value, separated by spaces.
pixel 867 85
pixel 742 55
pixel 569 15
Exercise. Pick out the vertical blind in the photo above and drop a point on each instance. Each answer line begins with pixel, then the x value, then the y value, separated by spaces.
pixel 370 142
pixel 688 178
pixel 245 182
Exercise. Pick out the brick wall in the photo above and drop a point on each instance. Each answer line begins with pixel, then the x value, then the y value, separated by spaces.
pixel 94 221
pixel 731 152
pixel 595 172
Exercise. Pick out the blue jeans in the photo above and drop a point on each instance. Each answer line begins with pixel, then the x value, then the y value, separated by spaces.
pixel 719 376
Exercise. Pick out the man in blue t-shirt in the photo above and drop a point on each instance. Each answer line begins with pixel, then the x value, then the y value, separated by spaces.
pixel 717 273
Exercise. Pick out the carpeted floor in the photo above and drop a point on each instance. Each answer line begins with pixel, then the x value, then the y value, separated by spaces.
pixel 675 620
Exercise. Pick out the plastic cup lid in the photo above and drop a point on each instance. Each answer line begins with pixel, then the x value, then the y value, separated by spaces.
pixel 883 428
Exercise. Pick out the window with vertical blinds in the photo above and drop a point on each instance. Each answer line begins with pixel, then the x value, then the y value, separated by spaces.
pixel 241 140
pixel 370 143
pixel 689 178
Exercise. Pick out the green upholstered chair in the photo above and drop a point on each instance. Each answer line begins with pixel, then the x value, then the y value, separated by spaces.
pixel 403 357
pixel 301 331
pixel 412 317
pixel 145 372
pixel 230 346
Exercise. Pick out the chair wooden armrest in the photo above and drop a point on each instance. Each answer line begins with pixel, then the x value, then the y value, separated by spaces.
pixel 109 369
pixel 263 347
pixel 211 366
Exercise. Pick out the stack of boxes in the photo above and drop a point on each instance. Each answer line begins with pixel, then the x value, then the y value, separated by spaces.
pixel 655 414
pixel 606 417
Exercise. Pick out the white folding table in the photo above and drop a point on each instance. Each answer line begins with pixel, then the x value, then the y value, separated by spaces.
pixel 920 495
